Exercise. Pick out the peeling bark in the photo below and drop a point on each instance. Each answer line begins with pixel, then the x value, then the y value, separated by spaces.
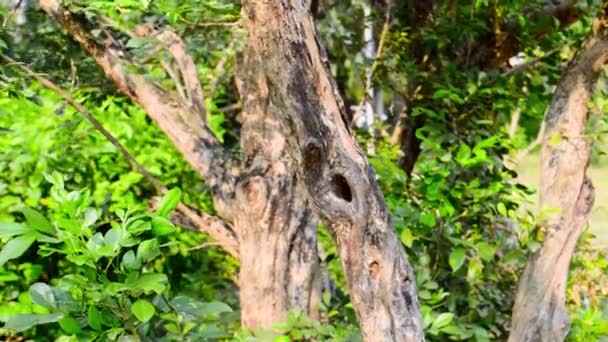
pixel 539 313
pixel 265 217
pixel 291 66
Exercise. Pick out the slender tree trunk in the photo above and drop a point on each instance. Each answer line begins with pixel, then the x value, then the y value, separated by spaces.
pixel 539 313
pixel 294 86
pixel 260 203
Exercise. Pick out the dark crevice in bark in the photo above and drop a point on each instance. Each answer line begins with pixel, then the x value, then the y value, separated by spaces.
pixel 340 187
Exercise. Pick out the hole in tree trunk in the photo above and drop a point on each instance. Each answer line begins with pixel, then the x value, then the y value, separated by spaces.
pixel 340 187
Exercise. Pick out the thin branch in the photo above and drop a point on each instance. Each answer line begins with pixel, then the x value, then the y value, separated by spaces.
pixel 219 67
pixel 231 108
pixel 521 67
pixel 176 80
pixel 187 67
pixel 12 12
pixel 539 138
pixel 214 226
pixel 96 124
pixel 514 123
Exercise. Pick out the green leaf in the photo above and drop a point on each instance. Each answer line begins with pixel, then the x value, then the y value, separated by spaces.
pixel 42 294
pixel 143 310
pixel 407 238
pixel 130 261
pixel 161 226
pixel 150 282
pixel 502 209
pixel 94 318
pixel 8 229
pixel 148 250
pixel 70 325
pixel 24 322
pixel 453 329
pixel 187 305
pixel 486 252
pixel 555 139
pixel 463 154
pixel 428 219
pixel 37 221
pixel 442 320
pixel 214 308
pixel 475 269
pixel 457 258
pixel 168 202
pixel 16 247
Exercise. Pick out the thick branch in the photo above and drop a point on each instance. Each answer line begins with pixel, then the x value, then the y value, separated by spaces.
pixel 183 125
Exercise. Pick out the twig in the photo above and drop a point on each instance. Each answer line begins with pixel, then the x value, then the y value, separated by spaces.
pixel 176 80
pixel 219 68
pixel 12 12
pixel 522 67
pixel 203 245
pixel 536 142
pixel 187 68
pixel 230 108
pixel 514 123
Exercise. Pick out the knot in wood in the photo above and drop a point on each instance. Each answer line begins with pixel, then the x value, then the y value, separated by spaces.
pixel 374 269
pixel 313 154
pixel 252 193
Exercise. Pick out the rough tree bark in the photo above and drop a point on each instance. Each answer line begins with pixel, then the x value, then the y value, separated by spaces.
pixel 539 313
pixel 258 203
pixel 290 80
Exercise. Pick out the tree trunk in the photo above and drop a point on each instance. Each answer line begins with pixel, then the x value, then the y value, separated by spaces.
pixel 278 230
pixel 293 85
pixel 539 313
pixel 260 206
